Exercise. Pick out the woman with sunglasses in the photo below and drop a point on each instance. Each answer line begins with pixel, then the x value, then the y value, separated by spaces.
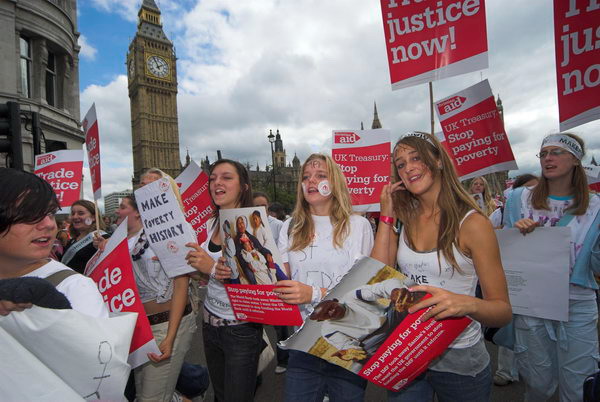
pixel 553 353
pixel 448 244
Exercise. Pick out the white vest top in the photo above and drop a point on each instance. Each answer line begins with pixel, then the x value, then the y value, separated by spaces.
pixel 424 269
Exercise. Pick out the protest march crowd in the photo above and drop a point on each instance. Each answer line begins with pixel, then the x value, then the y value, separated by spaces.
pixel 430 227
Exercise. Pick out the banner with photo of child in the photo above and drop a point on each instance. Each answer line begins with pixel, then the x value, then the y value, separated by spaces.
pixel 364 326
pixel 256 265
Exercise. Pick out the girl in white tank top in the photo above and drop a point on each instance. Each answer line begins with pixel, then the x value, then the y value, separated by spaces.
pixel 445 246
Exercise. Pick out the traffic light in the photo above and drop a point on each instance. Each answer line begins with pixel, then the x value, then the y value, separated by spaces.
pixel 10 133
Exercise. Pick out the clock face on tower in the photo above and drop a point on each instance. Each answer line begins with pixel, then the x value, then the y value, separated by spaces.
pixel 158 67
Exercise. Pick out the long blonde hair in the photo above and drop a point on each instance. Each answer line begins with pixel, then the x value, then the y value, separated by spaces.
pixel 303 229
pixel 489 205
pixel 453 200
pixel 581 191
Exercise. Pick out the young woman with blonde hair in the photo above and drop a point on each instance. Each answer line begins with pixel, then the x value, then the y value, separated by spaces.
pixel 319 244
pixel 553 353
pixel 479 187
pixel 446 244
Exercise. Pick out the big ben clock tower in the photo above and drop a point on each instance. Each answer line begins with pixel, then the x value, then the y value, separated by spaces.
pixel 152 86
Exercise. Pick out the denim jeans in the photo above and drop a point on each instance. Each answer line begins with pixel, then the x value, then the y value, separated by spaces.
pixel 232 358
pixel 309 379
pixel 283 333
pixel 448 387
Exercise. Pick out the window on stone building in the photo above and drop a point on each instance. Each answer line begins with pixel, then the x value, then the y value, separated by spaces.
pixel 25 49
pixel 51 79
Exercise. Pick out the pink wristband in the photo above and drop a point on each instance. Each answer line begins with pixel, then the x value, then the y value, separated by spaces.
pixel 388 220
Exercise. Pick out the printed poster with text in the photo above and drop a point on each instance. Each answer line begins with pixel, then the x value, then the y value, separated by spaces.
pixel 165 226
pixel 433 39
pixel 92 144
pixel 474 133
pixel 64 171
pixel 256 264
pixel 577 50
pixel 112 271
pixel 363 325
pixel 197 204
pixel 364 157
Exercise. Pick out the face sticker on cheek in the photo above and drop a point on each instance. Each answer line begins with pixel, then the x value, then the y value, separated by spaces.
pixel 88 221
pixel 324 188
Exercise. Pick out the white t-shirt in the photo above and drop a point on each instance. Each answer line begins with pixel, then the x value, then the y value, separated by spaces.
pixel 80 290
pixel 321 264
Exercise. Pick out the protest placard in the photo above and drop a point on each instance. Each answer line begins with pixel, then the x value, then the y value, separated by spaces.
pixel 430 40
pixel 537 271
pixel 63 355
pixel 166 228
pixel 577 50
pixel 363 325
pixel 92 144
pixel 474 132
pixel 112 271
pixel 254 259
pixel 63 170
pixel 197 204
pixel 364 157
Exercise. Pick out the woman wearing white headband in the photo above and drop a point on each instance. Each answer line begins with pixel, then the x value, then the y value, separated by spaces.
pixel 447 244
pixel 551 353
pixel 319 244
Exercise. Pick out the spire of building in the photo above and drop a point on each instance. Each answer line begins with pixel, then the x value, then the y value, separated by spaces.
pixel 187 157
pixel 362 126
pixel 500 107
pixel 376 122
pixel 149 23
pixel 278 142
pixel 150 4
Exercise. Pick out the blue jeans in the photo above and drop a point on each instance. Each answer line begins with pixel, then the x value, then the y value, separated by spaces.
pixel 448 387
pixel 232 358
pixel 309 378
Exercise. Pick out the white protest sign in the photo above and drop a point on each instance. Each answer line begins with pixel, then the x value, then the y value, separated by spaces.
pixel 537 271
pixel 50 355
pixel 165 226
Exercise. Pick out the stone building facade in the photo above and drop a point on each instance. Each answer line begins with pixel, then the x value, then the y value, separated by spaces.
pixel 39 70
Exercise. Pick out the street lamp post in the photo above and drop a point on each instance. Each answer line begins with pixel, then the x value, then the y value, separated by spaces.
pixel 271 138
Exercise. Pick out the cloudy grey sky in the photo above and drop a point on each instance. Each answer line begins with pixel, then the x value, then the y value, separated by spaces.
pixel 307 67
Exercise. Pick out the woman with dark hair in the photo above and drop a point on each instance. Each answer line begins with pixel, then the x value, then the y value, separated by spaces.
pixel 445 240
pixel 81 247
pixel 553 353
pixel 231 347
pixel 167 306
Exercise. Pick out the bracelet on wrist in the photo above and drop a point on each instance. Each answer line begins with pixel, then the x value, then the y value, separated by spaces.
pixel 388 220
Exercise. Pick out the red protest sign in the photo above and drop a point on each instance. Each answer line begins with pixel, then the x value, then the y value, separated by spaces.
pixel 197 204
pixel 474 132
pixel 576 38
pixel 92 144
pixel 113 273
pixel 410 348
pixel 63 170
pixel 258 303
pixel 364 157
pixel 428 40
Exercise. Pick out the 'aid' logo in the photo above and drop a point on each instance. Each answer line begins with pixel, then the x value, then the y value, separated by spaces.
pixel 345 138
pixel 451 104
pixel 44 159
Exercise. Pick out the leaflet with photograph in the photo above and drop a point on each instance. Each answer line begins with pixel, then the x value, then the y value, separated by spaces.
pixel 363 325
pixel 256 265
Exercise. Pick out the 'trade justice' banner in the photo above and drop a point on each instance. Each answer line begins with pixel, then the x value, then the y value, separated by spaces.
pixel 112 271
pixel 258 303
pixel 197 204
pixel 92 144
pixel 577 43
pixel 364 157
pixel 63 170
pixel 474 132
pixel 429 40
